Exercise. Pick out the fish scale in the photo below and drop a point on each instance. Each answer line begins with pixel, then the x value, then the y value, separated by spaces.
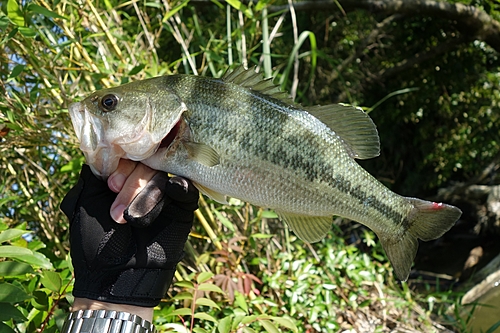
pixel 239 136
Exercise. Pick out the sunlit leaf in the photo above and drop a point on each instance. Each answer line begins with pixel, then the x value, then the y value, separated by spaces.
pixel 185 284
pixel 205 316
pixel 224 220
pixel 210 287
pixel 269 326
pixel 285 322
pixel 14 13
pixel 240 300
pixel 9 234
pixel 204 276
pixel 206 302
pixel 51 280
pixel 35 258
pixel 182 296
pixel 9 251
pixel 180 312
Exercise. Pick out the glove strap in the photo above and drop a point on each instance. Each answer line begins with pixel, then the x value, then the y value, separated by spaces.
pixel 105 321
pixel 150 286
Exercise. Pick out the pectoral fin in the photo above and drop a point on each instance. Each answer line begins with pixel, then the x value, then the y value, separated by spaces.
pixel 202 153
pixel 308 228
pixel 219 197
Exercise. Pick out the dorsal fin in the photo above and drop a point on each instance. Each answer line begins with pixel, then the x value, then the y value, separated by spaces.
pixel 353 126
pixel 252 80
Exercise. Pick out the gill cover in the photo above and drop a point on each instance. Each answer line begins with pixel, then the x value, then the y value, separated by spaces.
pixel 132 131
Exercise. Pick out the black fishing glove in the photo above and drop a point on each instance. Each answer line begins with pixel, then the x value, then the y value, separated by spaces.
pixel 131 263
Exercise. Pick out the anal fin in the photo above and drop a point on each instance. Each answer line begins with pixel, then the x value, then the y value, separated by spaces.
pixel 308 228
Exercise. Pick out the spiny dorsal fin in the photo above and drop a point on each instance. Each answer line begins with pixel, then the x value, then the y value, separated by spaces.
pixel 353 126
pixel 310 229
pixel 252 80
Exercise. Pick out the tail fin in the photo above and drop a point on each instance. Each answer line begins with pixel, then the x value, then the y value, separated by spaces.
pixel 426 221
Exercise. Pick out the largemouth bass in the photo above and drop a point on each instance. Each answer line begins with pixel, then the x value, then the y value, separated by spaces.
pixel 239 136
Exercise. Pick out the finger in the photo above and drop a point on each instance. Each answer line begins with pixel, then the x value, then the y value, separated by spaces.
pixel 148 204
pixel 117 179
pixel 133 184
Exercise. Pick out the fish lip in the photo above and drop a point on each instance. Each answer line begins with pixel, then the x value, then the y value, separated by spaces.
pixel 90 130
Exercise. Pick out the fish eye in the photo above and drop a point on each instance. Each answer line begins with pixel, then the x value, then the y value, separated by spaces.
pixel 109 102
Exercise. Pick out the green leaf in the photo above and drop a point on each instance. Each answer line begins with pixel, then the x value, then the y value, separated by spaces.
pixel 224 325
pixel 4 21
pixel 174 10
pixel 199 330
pixel 205 316
pixel 269 326
pixel 285 322
pixel 210 287
pixel 9 234
pixel 6 329
pixel 51 280
pixel 27 32
pixel 269 214
pixel 13 268
pixel 14 13
pixel 204 276
pixel 206 302
pixel 40 300
pixel 136 69
pixel 259 235
pixel 224 220
pixel 18 69
pixel 9 251
pixel 9 311
pixel 241 7
pixel 182 296
pixel 180 312
pixel 240 300
pixel 12 294
pixel 185 284
pixel 37 259
pixel 44 11
pixel 248 319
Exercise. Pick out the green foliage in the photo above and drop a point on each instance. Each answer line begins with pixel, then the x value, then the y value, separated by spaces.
pixel 30 288
pixel 244 272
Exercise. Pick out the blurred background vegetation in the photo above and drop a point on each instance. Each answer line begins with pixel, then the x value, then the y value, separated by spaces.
pixel 427 72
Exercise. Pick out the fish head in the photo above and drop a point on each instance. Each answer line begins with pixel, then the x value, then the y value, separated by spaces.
pixel 129 121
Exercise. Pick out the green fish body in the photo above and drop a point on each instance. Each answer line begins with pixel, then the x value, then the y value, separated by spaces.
pixel 239 136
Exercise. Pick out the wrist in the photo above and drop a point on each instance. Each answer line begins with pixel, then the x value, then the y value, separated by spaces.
pixel 145 313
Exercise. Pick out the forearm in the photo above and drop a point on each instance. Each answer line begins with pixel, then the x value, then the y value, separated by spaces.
pixel 89 304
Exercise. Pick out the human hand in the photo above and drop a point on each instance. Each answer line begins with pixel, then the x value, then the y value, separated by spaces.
pixel 131 263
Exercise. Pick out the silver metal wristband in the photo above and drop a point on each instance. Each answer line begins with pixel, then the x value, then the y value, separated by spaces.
pixel 106 321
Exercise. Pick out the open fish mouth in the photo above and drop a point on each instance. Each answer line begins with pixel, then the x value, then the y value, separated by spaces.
pixel 171 135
